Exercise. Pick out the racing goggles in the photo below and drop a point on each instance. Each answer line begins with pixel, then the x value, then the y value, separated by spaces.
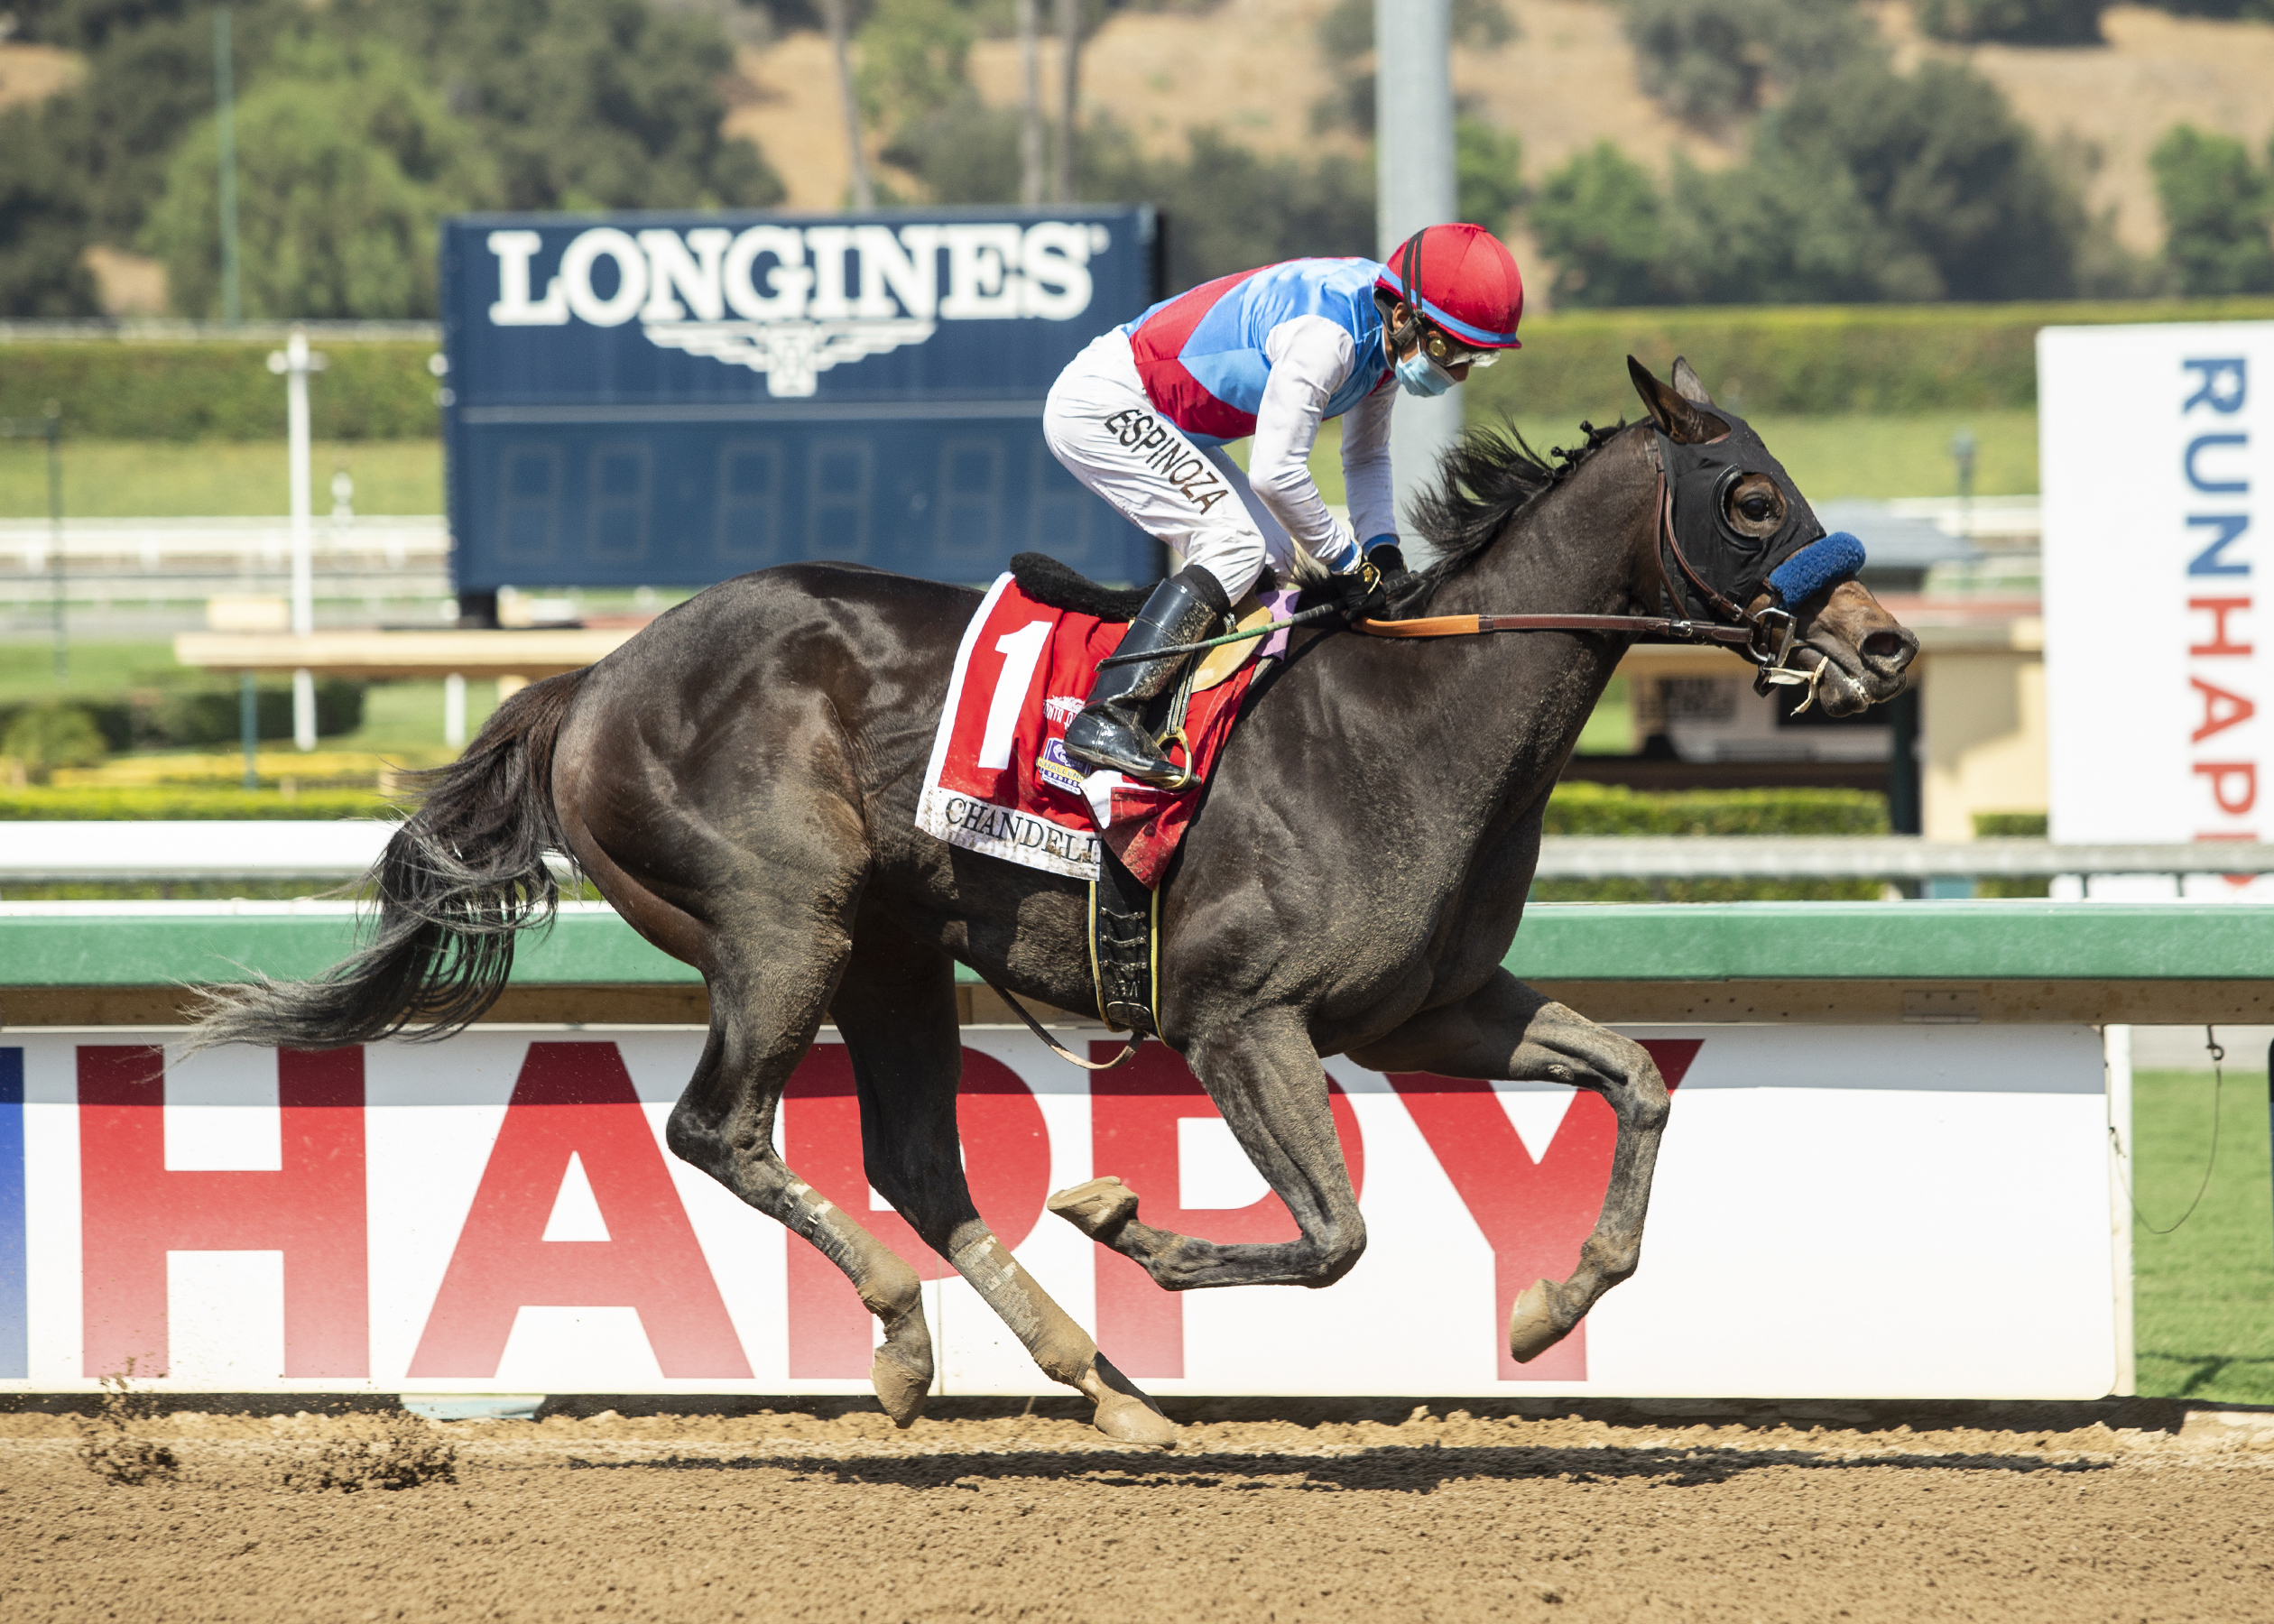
pixel 1449 352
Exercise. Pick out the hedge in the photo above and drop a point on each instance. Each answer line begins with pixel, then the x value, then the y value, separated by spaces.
pixel 1874 358
pixel 128 388
pixel 188 715
pixel 1584 808
pixel 76 803
pixel 1853 358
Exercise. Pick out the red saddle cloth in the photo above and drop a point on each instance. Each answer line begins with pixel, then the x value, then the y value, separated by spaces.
pixel 1000 780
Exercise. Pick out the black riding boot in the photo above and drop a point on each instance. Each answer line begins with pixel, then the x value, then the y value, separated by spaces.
pixel 1112 730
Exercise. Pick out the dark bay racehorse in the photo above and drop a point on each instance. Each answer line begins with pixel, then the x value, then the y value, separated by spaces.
pixel 740 781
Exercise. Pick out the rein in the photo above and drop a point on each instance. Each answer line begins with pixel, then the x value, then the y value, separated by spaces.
pixel 1765 638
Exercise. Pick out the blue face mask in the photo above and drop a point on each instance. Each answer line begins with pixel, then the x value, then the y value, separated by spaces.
pixel 1417 374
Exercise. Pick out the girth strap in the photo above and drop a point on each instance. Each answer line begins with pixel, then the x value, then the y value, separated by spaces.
pixel 1128 1048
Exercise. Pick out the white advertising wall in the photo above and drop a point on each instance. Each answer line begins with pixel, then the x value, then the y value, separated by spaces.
pixel 1872 1212
pixel 2157 454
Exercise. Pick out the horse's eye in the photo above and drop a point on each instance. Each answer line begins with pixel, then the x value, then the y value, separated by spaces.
pixel 1755 507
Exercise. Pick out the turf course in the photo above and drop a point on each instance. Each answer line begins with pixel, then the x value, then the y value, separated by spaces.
pixel 1832 456
pixel 165 479
pixel 2203 1295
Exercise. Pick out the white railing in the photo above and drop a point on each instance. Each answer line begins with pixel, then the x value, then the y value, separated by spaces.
pixel 335 851
pixel 256 541
pixel 1882 857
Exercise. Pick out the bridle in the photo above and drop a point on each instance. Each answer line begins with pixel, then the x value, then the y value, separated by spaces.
pixel 1766 637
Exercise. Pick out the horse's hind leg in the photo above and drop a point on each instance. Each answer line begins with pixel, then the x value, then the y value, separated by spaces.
pixel 1265 1077
pixel 1506 1029
pixel 896 1008
pixel 725 1124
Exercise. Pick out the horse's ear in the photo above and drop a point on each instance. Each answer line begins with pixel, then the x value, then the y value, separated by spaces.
pixel 1688 385
pixel 1676 418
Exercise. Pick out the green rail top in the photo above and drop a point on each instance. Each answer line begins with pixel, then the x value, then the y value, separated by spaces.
pixel 156 943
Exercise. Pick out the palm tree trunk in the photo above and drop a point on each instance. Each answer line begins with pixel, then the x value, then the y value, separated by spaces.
pixel 1029 105
pixel 864 194
pixel 1069 23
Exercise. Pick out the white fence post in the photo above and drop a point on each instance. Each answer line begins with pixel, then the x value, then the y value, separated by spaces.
pixel 2116 1042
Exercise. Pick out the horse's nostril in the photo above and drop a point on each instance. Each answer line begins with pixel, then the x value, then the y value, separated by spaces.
pixel 1890 649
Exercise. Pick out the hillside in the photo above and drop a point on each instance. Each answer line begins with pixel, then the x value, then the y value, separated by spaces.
pixel 1253 69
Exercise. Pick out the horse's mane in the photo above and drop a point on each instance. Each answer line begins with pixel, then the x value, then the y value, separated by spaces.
pixel 1488 478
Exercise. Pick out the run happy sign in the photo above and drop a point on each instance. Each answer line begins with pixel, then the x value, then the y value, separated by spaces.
pixel 2157 459
pixel 499 1213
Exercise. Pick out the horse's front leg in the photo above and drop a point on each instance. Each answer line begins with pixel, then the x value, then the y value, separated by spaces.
pixel 1507 1032
pixel 1265 1077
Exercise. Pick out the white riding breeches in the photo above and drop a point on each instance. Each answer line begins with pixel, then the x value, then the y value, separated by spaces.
pixel 1101 424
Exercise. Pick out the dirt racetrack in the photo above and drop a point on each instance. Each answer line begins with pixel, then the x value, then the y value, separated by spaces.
pixel 2138 1511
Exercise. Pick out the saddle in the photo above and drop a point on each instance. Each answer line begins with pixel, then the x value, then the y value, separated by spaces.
pixel 1061 586
pixel 1125 912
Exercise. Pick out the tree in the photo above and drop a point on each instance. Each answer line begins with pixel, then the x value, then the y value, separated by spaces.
pixel 967 152
pixel 1229 208
pixel 841 54
pixel 1345 36
pixel 1861 184
pixel 346 163
pixel 1713 61
pixel 1488 173
pixel 1787 227
pixel 1602 222
pixel 43 225
pixel 2016 22
pixel 1030 177
pixel 914 61
pixel 88 25
pixel 1062 156
pixel 584 104
pixel 2217 206
pixel 148 81
pixel 1948 172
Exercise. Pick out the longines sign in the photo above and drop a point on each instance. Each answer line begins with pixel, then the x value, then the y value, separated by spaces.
pixel 793 302
pixel 670 399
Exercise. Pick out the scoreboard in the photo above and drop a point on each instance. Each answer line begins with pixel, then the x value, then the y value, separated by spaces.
pixel 667 399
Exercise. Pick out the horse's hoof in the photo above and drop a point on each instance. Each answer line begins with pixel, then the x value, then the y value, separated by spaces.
pixel 1124 1412
pixel 1532 1328
pixel 1133 1420
pixel 900 1391
pixel 1098 1208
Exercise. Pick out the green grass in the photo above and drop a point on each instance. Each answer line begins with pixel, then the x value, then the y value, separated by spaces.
pixel 100 669
pixel 2203 1295
pixel 1831 458
pixel 152 479
pixel 408 715
pixel 1610 729
pixel 397 716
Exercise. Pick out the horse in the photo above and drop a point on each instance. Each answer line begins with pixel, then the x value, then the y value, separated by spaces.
pixel 740 781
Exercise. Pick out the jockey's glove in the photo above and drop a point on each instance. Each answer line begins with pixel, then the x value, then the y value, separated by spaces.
pixel 1388 557
pixel 1358 593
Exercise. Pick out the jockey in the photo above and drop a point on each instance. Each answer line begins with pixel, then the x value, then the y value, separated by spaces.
pixel 1141 416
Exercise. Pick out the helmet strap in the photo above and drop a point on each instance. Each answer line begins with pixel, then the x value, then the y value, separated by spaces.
pixel 1408 282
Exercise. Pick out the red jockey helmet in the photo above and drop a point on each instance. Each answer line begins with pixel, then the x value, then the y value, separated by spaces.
pixel 1463 280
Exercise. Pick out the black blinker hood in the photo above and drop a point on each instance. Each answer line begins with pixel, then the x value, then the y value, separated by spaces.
pixel 1697 478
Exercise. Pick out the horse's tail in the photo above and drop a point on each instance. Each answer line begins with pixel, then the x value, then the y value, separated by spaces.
pixel 457 883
